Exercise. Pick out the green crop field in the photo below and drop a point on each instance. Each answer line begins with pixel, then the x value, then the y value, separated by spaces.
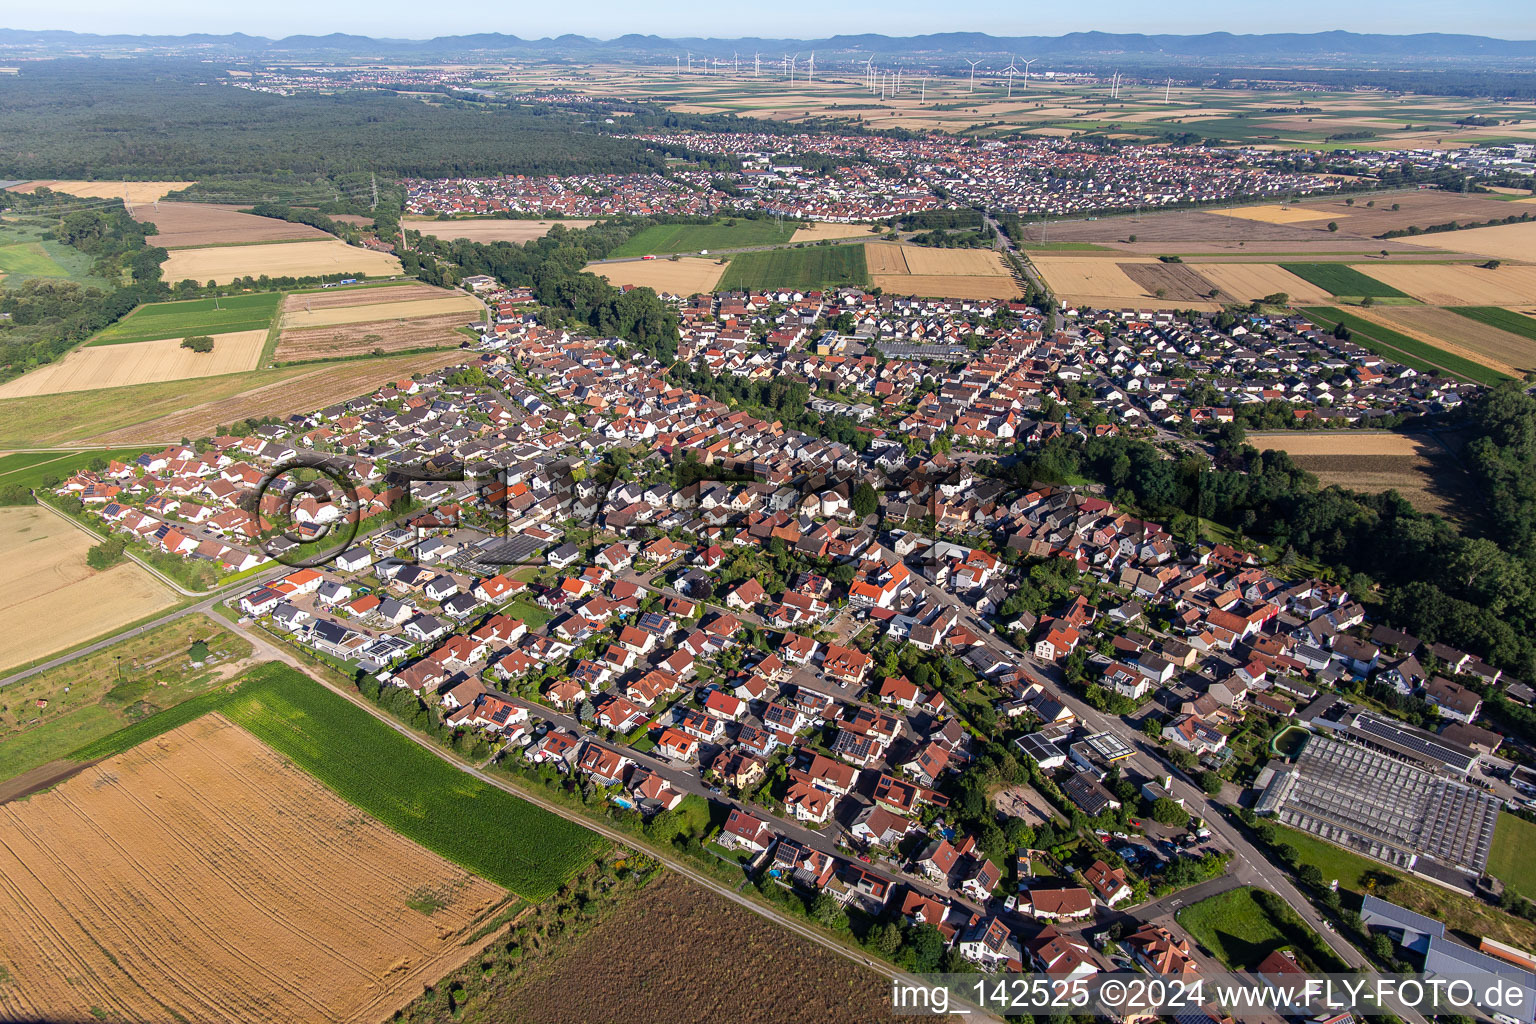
pixel 29 469
pixel 195 316
pixel 29 259
pixel 1512 859
pixel 808 269
pixel 484 829
pixel 1339 279
pixel 1503 319
pixel 1419 355
pixel 669 238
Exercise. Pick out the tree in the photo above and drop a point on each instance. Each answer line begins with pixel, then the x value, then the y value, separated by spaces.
pixel 1333 225
pixel 1165 811
pixel 198 343
pixel 106 554
pixel 826 910
pixel 865 501
pixel 1210 782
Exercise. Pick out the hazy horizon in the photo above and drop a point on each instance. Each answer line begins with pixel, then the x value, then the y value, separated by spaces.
pixel 606 19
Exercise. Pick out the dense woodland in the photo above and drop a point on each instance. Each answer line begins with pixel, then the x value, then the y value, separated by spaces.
pixel 174 119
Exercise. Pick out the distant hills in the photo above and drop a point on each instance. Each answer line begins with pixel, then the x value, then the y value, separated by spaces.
pixel 1331 49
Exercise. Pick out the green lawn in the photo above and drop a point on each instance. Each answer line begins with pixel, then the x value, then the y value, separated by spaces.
pixel 52 740
pixel 29 259
pixel 1238 929
pixel 1339 279
pixel 1399 347
pixel 808 269
pixel 195 316
pixel 723 234
pixel 526 608
pixel 484 829
pixel 1513 857
pixel 1503 319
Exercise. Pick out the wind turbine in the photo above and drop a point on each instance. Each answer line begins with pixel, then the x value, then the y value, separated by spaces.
pixel 735 63
pixel 1010 71
pixel 810 67
pixel 1026 72
pixel 923 95
pixel 690 63
pixel 973 64
pixel 757 64
pixel 1168 91
pixel 869 72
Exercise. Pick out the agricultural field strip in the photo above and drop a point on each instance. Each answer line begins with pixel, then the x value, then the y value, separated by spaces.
pixel 276 259
pixel 401 310
pixel 486 830
pixel 808 269
pixel 662 239
pixel 490 229
pixel 1409 351
pixel 65 601
pixel 680 277
pixel 208 836
pixel 1500 350
pixel 1462 284
pixel 96 367
pixel 1338 279
pixel 161 320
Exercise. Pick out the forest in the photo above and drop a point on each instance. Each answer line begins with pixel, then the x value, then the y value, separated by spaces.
pixel 167 119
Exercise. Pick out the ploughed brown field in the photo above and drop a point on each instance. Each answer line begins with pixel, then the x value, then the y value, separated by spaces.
pixel 187 224
pixel 203 877
pixel 1174 280
pixel 688 955
pixel 380 336
pixel 1415 465
pixel 1300 227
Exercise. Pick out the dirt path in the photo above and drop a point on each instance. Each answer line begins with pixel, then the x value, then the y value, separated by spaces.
pixel 44 776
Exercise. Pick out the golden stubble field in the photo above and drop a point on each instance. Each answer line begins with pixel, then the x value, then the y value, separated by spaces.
pixel 684 276
pixel 56 600
pixel 825 230
pixel 201 876
pixel 1249 281
pixel 1458 284
pixel 226 263
pixel 939 273
pixel 93 367
pixel 1503 242
pixel 1275 214
pixel 490 229
pixel 1101 283
pixel 132 191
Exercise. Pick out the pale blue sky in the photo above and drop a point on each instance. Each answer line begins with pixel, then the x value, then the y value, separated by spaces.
pixel 1510 19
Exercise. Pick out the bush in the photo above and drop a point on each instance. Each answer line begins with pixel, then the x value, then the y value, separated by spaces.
pixel 106 554
pixel 198 343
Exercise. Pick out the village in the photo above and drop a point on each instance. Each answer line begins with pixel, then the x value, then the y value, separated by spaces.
pixel 585 568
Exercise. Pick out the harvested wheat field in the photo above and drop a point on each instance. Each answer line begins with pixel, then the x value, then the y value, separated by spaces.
pixel 202 876
pixel 1459 335
pixel 490 229
pixel 226 263
pixel 1101 284
pixel 923 261
pixel 1504 242
pixel 675 277
pixel 181 225
pixel 465 307
pixel 140 362
pixel 290 389
pixel 822 230
pixel 1416 466
pixel 1276 214
pixel 958 286
pixel 64 601
pixel 132 191
pixel 373 337
pixel 1246 282
pixel 330 298
pixel 885 258
pixel 1458 284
